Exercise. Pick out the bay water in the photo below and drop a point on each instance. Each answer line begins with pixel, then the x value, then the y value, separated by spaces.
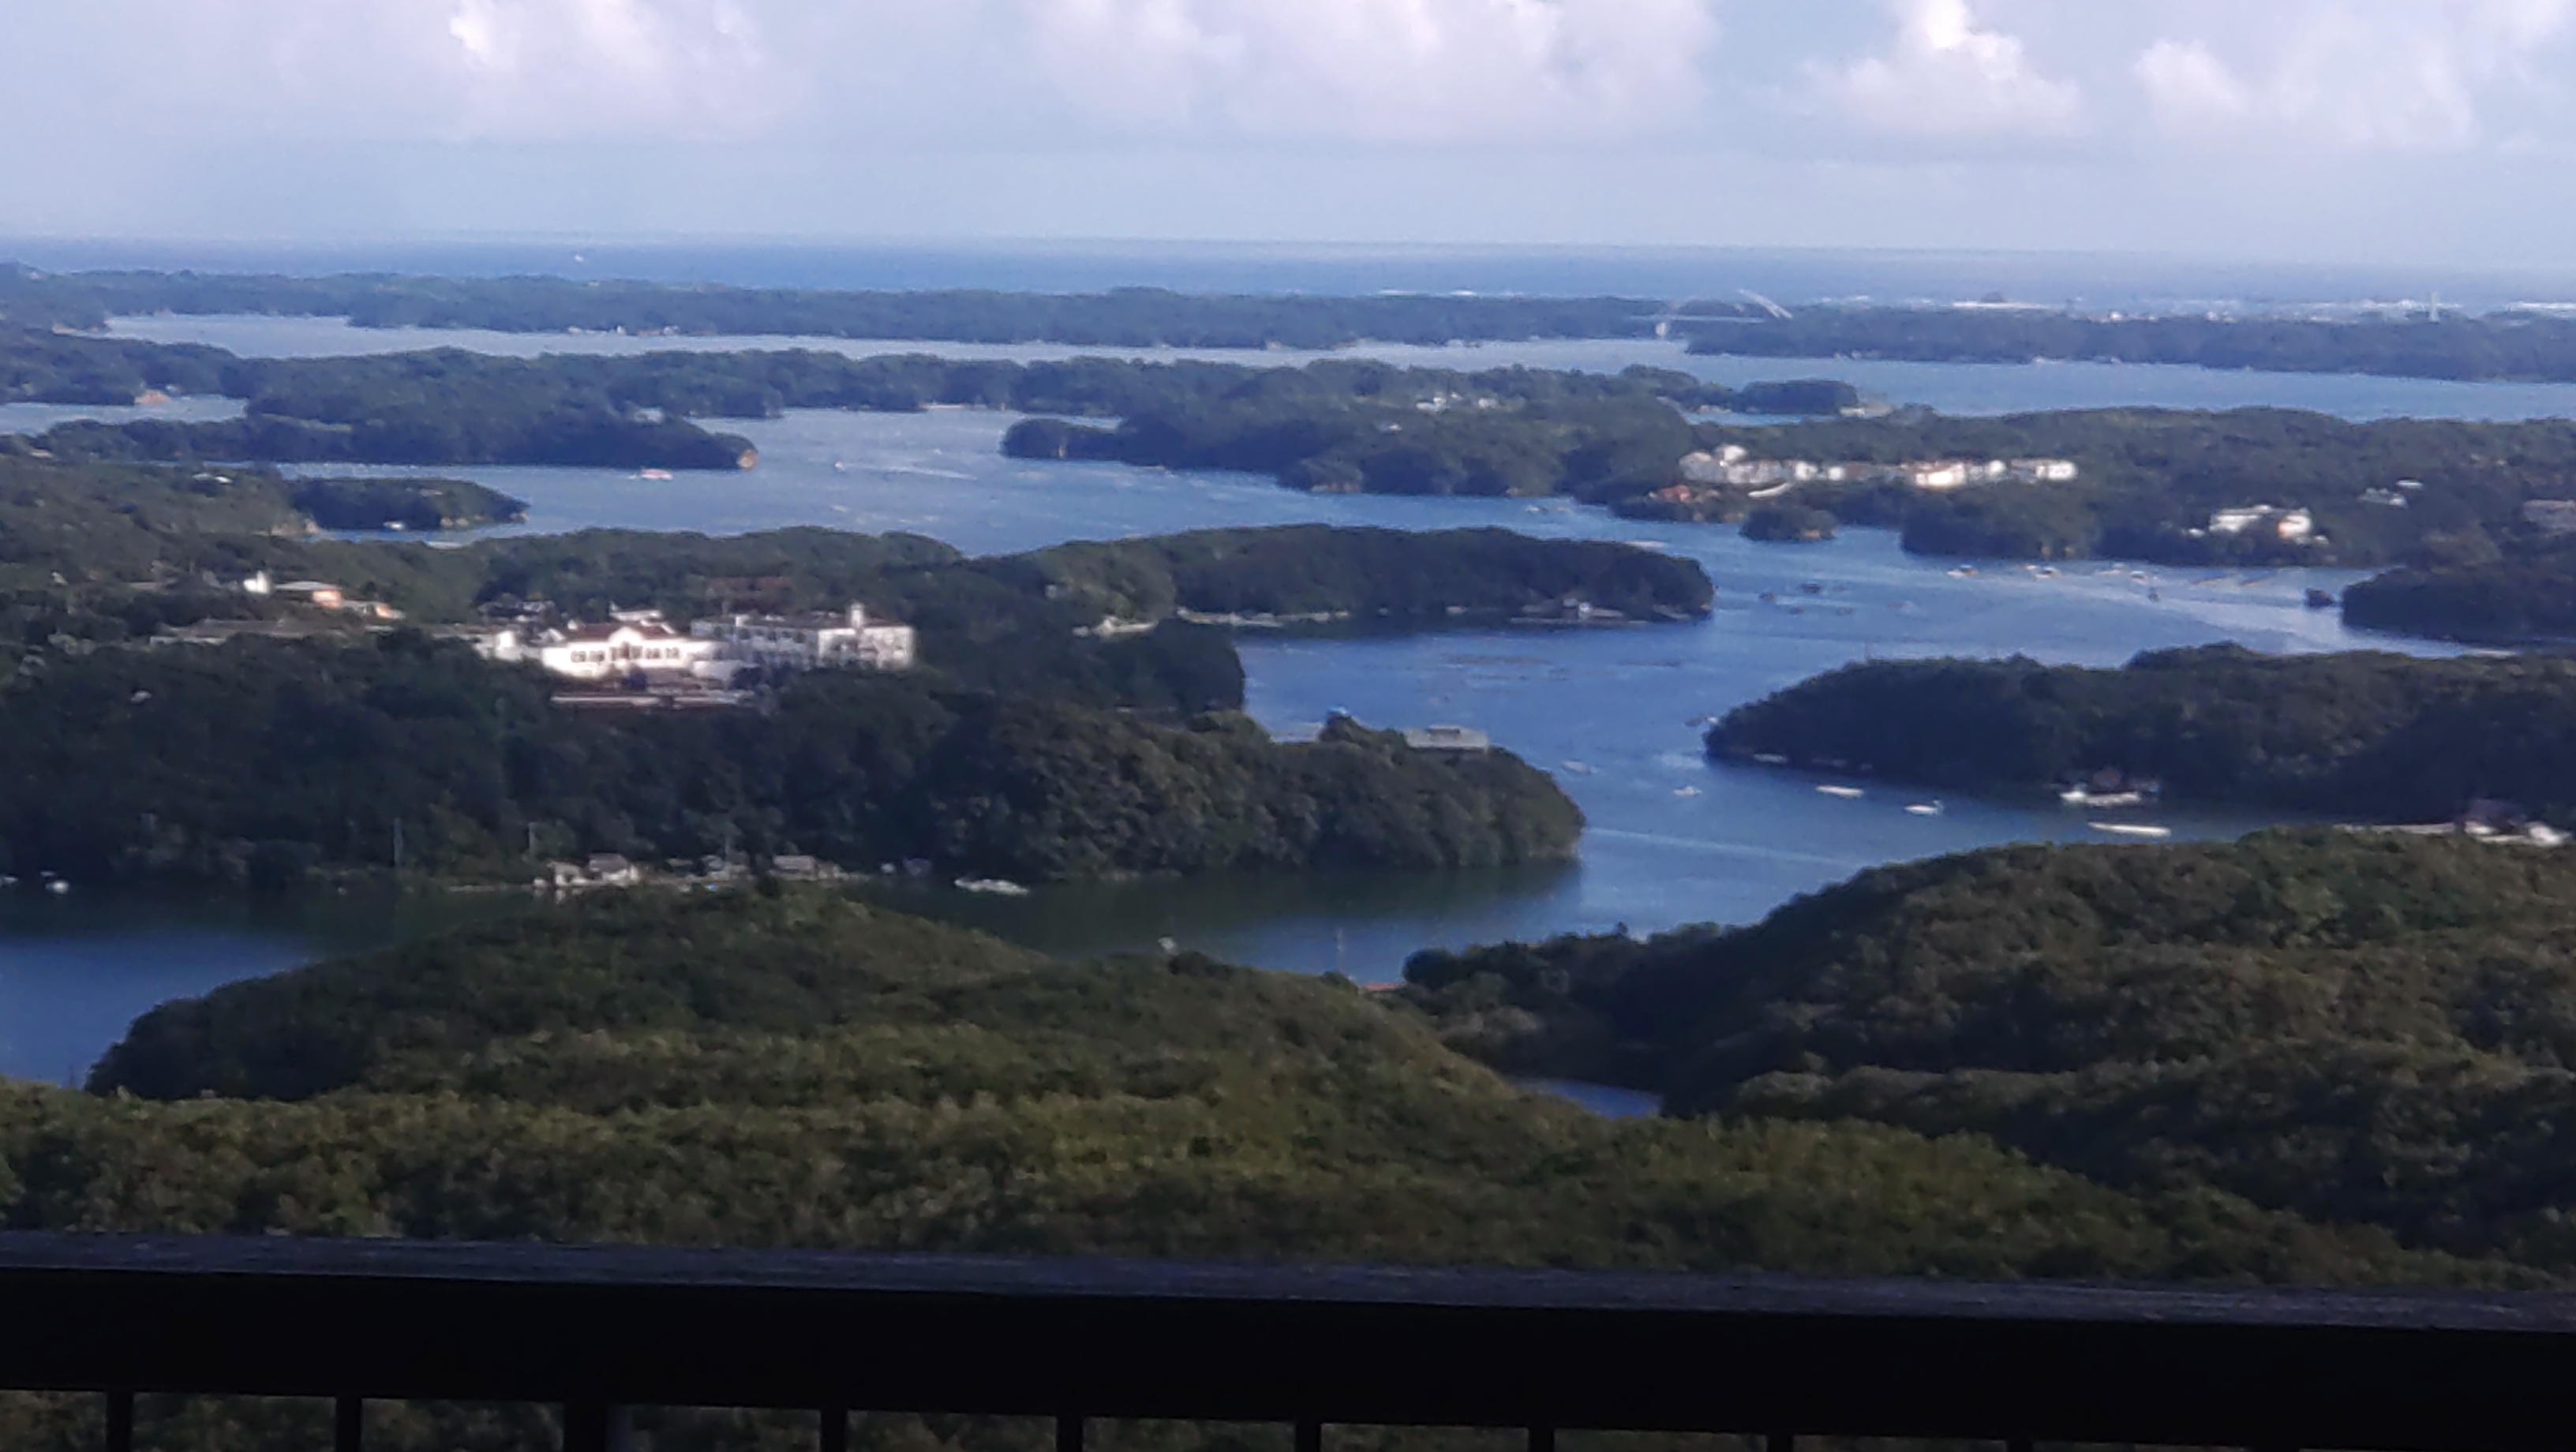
pixel 1616 714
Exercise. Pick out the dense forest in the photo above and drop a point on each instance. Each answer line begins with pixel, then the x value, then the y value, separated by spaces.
pixel 2365 736
pixel 798 1069
pixel 2391 491
pixel 791 1068
pixel 454 407
pixel 2508 345
pixel 420 505
pixel 260 761
pixel 2364 1029
pixel 99 553
pixel 2521 593
pixel 1137 317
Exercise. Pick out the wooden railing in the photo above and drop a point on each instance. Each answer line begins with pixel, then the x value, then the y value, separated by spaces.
pixel 600 1329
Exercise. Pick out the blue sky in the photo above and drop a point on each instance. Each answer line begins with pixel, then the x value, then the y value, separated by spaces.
pixel 2410 131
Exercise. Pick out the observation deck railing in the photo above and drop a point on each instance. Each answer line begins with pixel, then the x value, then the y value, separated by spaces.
pixel 600 1329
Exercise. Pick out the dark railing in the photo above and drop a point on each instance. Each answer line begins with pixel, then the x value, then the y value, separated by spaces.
pixel 600 1329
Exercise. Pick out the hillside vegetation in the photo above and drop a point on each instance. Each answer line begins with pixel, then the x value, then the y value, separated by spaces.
pixel 2357 1029
pixel 2367 736
pixel 264 760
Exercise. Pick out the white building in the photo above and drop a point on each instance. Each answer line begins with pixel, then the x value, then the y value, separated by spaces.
pixel 2292 525
pixel 2043 471
pixel 626 647
pixel 810 642
pixel 1944 474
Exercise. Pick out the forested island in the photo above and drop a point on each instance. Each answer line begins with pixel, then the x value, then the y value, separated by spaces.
pixel 2367 737
pixel 260 761
pixel 100 553
pixel 2357 1029
pixel 2152 483
pixel 1032 743
pixel 2514 345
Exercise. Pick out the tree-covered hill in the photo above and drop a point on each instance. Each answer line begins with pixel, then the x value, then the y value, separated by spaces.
pixel 801 1070
pixel 267 759
pixel 2359 1029
pixel 2366 736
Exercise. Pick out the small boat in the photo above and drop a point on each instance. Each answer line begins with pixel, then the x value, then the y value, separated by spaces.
pixel 1770 758
pixel 656 476
pixel 1687 792
pixel 2127 829
pixel 58 887
pixel 1576 768
pixel 1924 809
pixel 991 887
pixel 1964 572
pixel 1849 794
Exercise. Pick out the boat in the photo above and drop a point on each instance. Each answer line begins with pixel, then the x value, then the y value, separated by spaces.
pixel 1577 768
pixel 1687 792
pixel 1770 758
pixel 2079 797
pixel 991 887
pixel 2130 829
pixel 1964 572
pixel 1924 809
pixel 656 476
pixel 58 887
pixel 1849 794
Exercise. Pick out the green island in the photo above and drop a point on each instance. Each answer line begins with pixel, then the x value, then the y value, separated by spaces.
pixel 1075 712
pixel 2507 345
pixel 2512 345
pixel 423 506
pixel 2358 1029
pixel 2362 736
pixel 2168 486
pixel 1135 317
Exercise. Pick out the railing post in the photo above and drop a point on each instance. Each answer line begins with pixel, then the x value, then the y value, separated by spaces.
pixel 597 1427
pixel 836 1429
pixel 1310 1437
pixel 348 1424
pixel 1068 1434
pixel 1781 1442
pixel 1542 1437
pixel 120 1422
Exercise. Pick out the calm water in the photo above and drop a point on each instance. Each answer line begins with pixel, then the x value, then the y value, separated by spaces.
pixel 1674 837
pixel 74 971
pixel 1949 387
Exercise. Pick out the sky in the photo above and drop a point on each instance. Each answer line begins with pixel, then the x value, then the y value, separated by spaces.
pixel 2386 131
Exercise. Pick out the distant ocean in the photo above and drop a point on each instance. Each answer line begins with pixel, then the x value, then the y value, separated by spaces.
pixel 2093 281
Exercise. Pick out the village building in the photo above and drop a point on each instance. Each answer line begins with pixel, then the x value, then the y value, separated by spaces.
pixel 814 642
pixel 638 643
pixel 2295 526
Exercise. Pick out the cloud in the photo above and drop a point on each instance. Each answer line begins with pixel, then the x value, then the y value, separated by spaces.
pixel 2367 74
pixel 1407 71
pixel 1945 76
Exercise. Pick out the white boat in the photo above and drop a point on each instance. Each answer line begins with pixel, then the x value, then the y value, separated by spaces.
pixel 1687 792
pixel 657 476
pixel 2079 797
pixel 1964 572
pixel 1770 758
pixel 1849 794
pixel 1924 809
pixel 1576 768
pixel 991 887
pixel 58 887
pixel 2130 829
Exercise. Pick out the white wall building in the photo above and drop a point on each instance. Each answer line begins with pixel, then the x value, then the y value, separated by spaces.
pixel 811 642
pixel 625 648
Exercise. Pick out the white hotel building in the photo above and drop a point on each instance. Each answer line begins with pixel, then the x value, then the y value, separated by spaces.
pixel 812 642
